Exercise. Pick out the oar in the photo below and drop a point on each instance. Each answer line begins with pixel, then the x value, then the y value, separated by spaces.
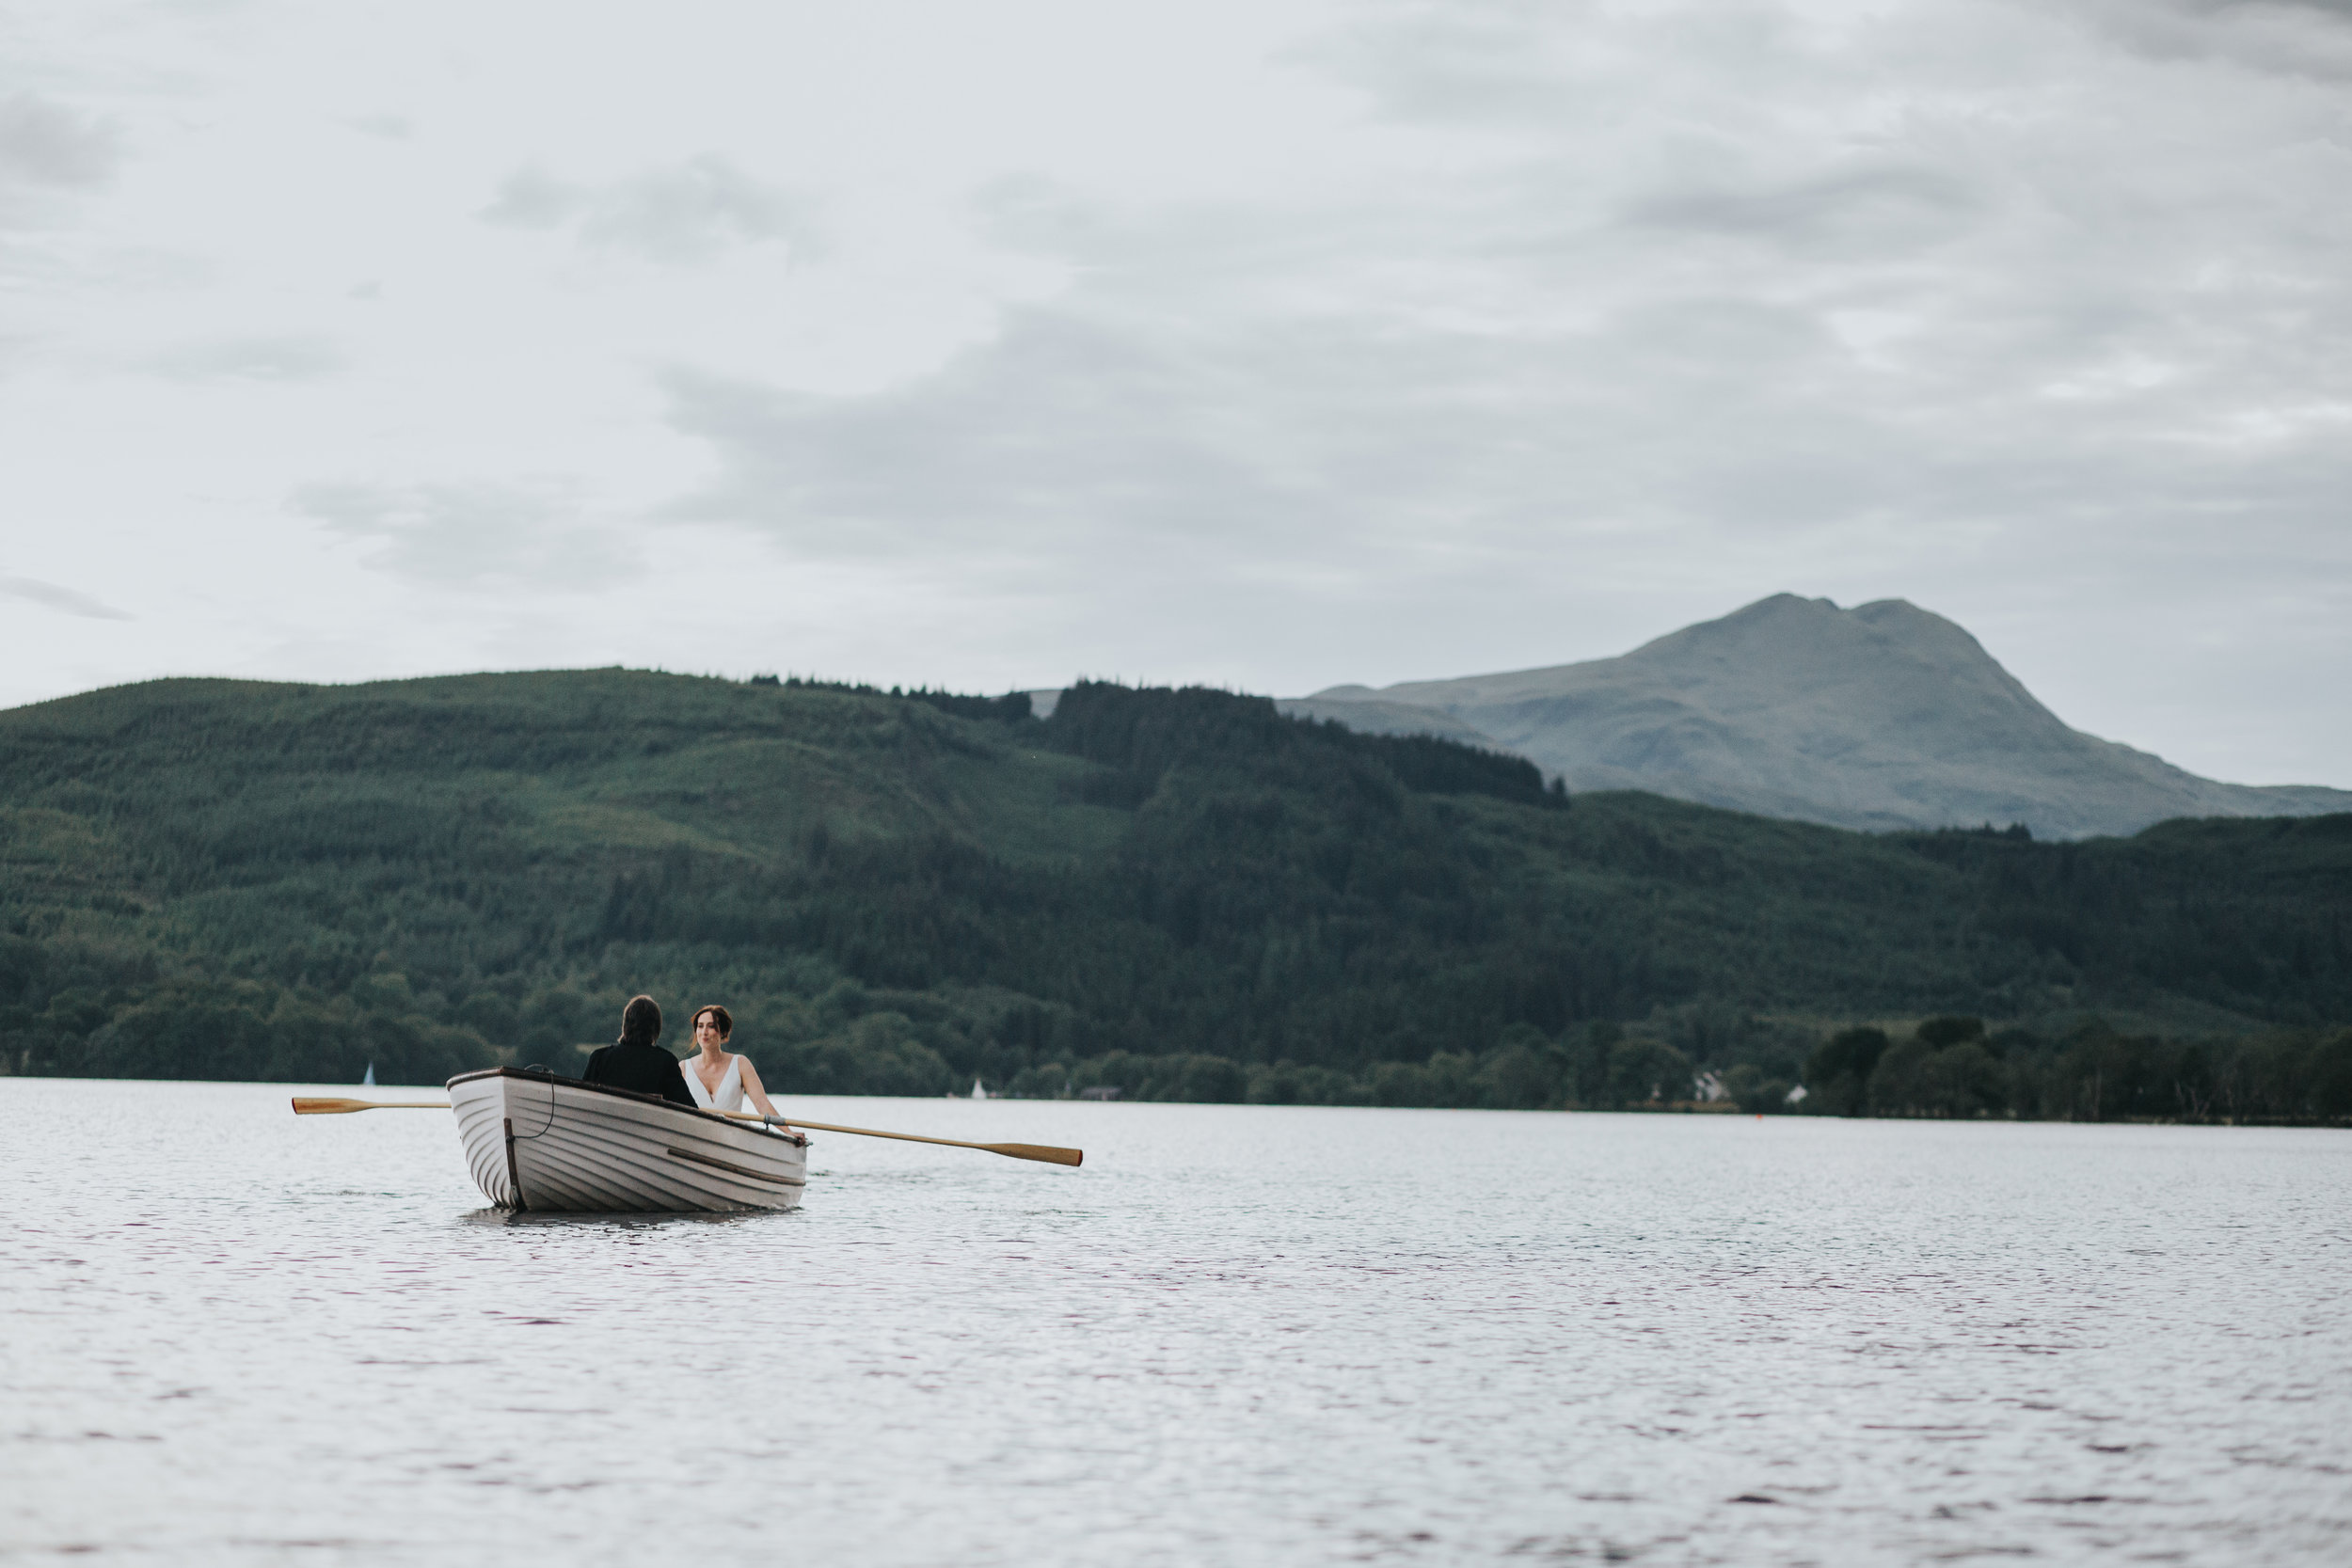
pixel 1047 1152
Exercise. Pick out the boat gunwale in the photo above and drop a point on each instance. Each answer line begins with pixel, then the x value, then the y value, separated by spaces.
pixel 557 1078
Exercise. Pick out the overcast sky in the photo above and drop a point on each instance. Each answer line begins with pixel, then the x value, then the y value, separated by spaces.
pixel 1274 344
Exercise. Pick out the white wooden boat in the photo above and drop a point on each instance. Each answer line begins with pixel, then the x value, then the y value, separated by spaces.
pixel 541 1143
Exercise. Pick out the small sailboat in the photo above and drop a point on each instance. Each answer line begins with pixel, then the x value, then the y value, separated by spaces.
pixel 540 1143
pixel 369 1081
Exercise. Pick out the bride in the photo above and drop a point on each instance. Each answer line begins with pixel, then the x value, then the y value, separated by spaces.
pixel 720 1081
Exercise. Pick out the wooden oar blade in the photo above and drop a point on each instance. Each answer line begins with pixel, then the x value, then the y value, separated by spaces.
pixel 1046 1152
pixel 324 1105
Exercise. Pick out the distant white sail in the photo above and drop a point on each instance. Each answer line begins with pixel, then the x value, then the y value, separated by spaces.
pixel 369 1081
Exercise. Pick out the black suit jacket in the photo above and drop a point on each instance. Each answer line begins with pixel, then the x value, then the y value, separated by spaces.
pixel 647 1069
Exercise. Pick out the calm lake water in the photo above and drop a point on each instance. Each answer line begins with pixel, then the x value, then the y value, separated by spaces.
pixel 1239 1334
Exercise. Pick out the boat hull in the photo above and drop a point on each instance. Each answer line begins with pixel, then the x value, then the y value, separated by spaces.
pixel 542 1144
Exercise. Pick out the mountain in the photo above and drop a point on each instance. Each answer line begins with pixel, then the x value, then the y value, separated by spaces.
pixel 1884 716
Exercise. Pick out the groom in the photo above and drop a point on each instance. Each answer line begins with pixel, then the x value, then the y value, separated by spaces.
pixel 634 1062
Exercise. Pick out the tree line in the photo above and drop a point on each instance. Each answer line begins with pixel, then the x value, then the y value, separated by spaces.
pixel 1179 894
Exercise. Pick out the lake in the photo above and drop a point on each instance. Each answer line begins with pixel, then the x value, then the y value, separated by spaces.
pixel 1238 1334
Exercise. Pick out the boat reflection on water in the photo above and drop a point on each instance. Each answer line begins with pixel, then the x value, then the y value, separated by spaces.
pixel 584 1220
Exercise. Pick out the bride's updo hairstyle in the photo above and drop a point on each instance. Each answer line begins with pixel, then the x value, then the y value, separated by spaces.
pixel 641 1022
pixel 718 1015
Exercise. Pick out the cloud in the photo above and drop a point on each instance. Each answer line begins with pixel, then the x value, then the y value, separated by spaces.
pixel 680 214
pixel 389 127
pixel 533 199
pixel 472 535
pixel 1061 432
pixel 1081 444
pixel 1682 294
pixel 1883 206
pixel 2288 37
pixel 46 144
pixel 301 356
pixel 48 153
pixel 64 600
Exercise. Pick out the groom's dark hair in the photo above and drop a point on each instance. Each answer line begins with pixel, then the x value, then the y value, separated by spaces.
pixel 641 1022
pixel 723 1018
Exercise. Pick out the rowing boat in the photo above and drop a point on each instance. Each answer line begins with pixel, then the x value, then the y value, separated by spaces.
pixel 541 1143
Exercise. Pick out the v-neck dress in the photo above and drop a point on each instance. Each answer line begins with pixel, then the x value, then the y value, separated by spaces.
pixel 730 1095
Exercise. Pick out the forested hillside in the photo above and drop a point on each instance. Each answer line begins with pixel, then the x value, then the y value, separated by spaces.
pixel 1181 892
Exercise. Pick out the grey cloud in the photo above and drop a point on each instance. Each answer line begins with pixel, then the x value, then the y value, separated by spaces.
pixel 1074 441
pixel 1063 437
pixel 388 126
pixel 1879 206
pixel 683 213
pixel 1073 438
pixel 65 600
pixel 2287 37
pixel 470 535
pixel 44 144
pixel 1973 327
pixel 1079 437
pixel 692 210
pixel 300 356
pixel 533 199
pixel 1030 212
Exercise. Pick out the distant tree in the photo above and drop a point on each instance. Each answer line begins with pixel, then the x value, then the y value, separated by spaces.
pixel 1523 1074
pixel 1755 1091
pixel 1204 1078
pixel 1963 1080
pixel 1837 1074
pixel 1586 1062
pixel 1647 1072
pixel 1011 708
pixel 2329 1071
pixel 22 963
pixel 1403 1084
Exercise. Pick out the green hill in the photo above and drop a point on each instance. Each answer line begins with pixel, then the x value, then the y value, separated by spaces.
pixel 1181 892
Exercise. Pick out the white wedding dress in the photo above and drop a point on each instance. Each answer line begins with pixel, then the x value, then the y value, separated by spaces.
pixel 730 1095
